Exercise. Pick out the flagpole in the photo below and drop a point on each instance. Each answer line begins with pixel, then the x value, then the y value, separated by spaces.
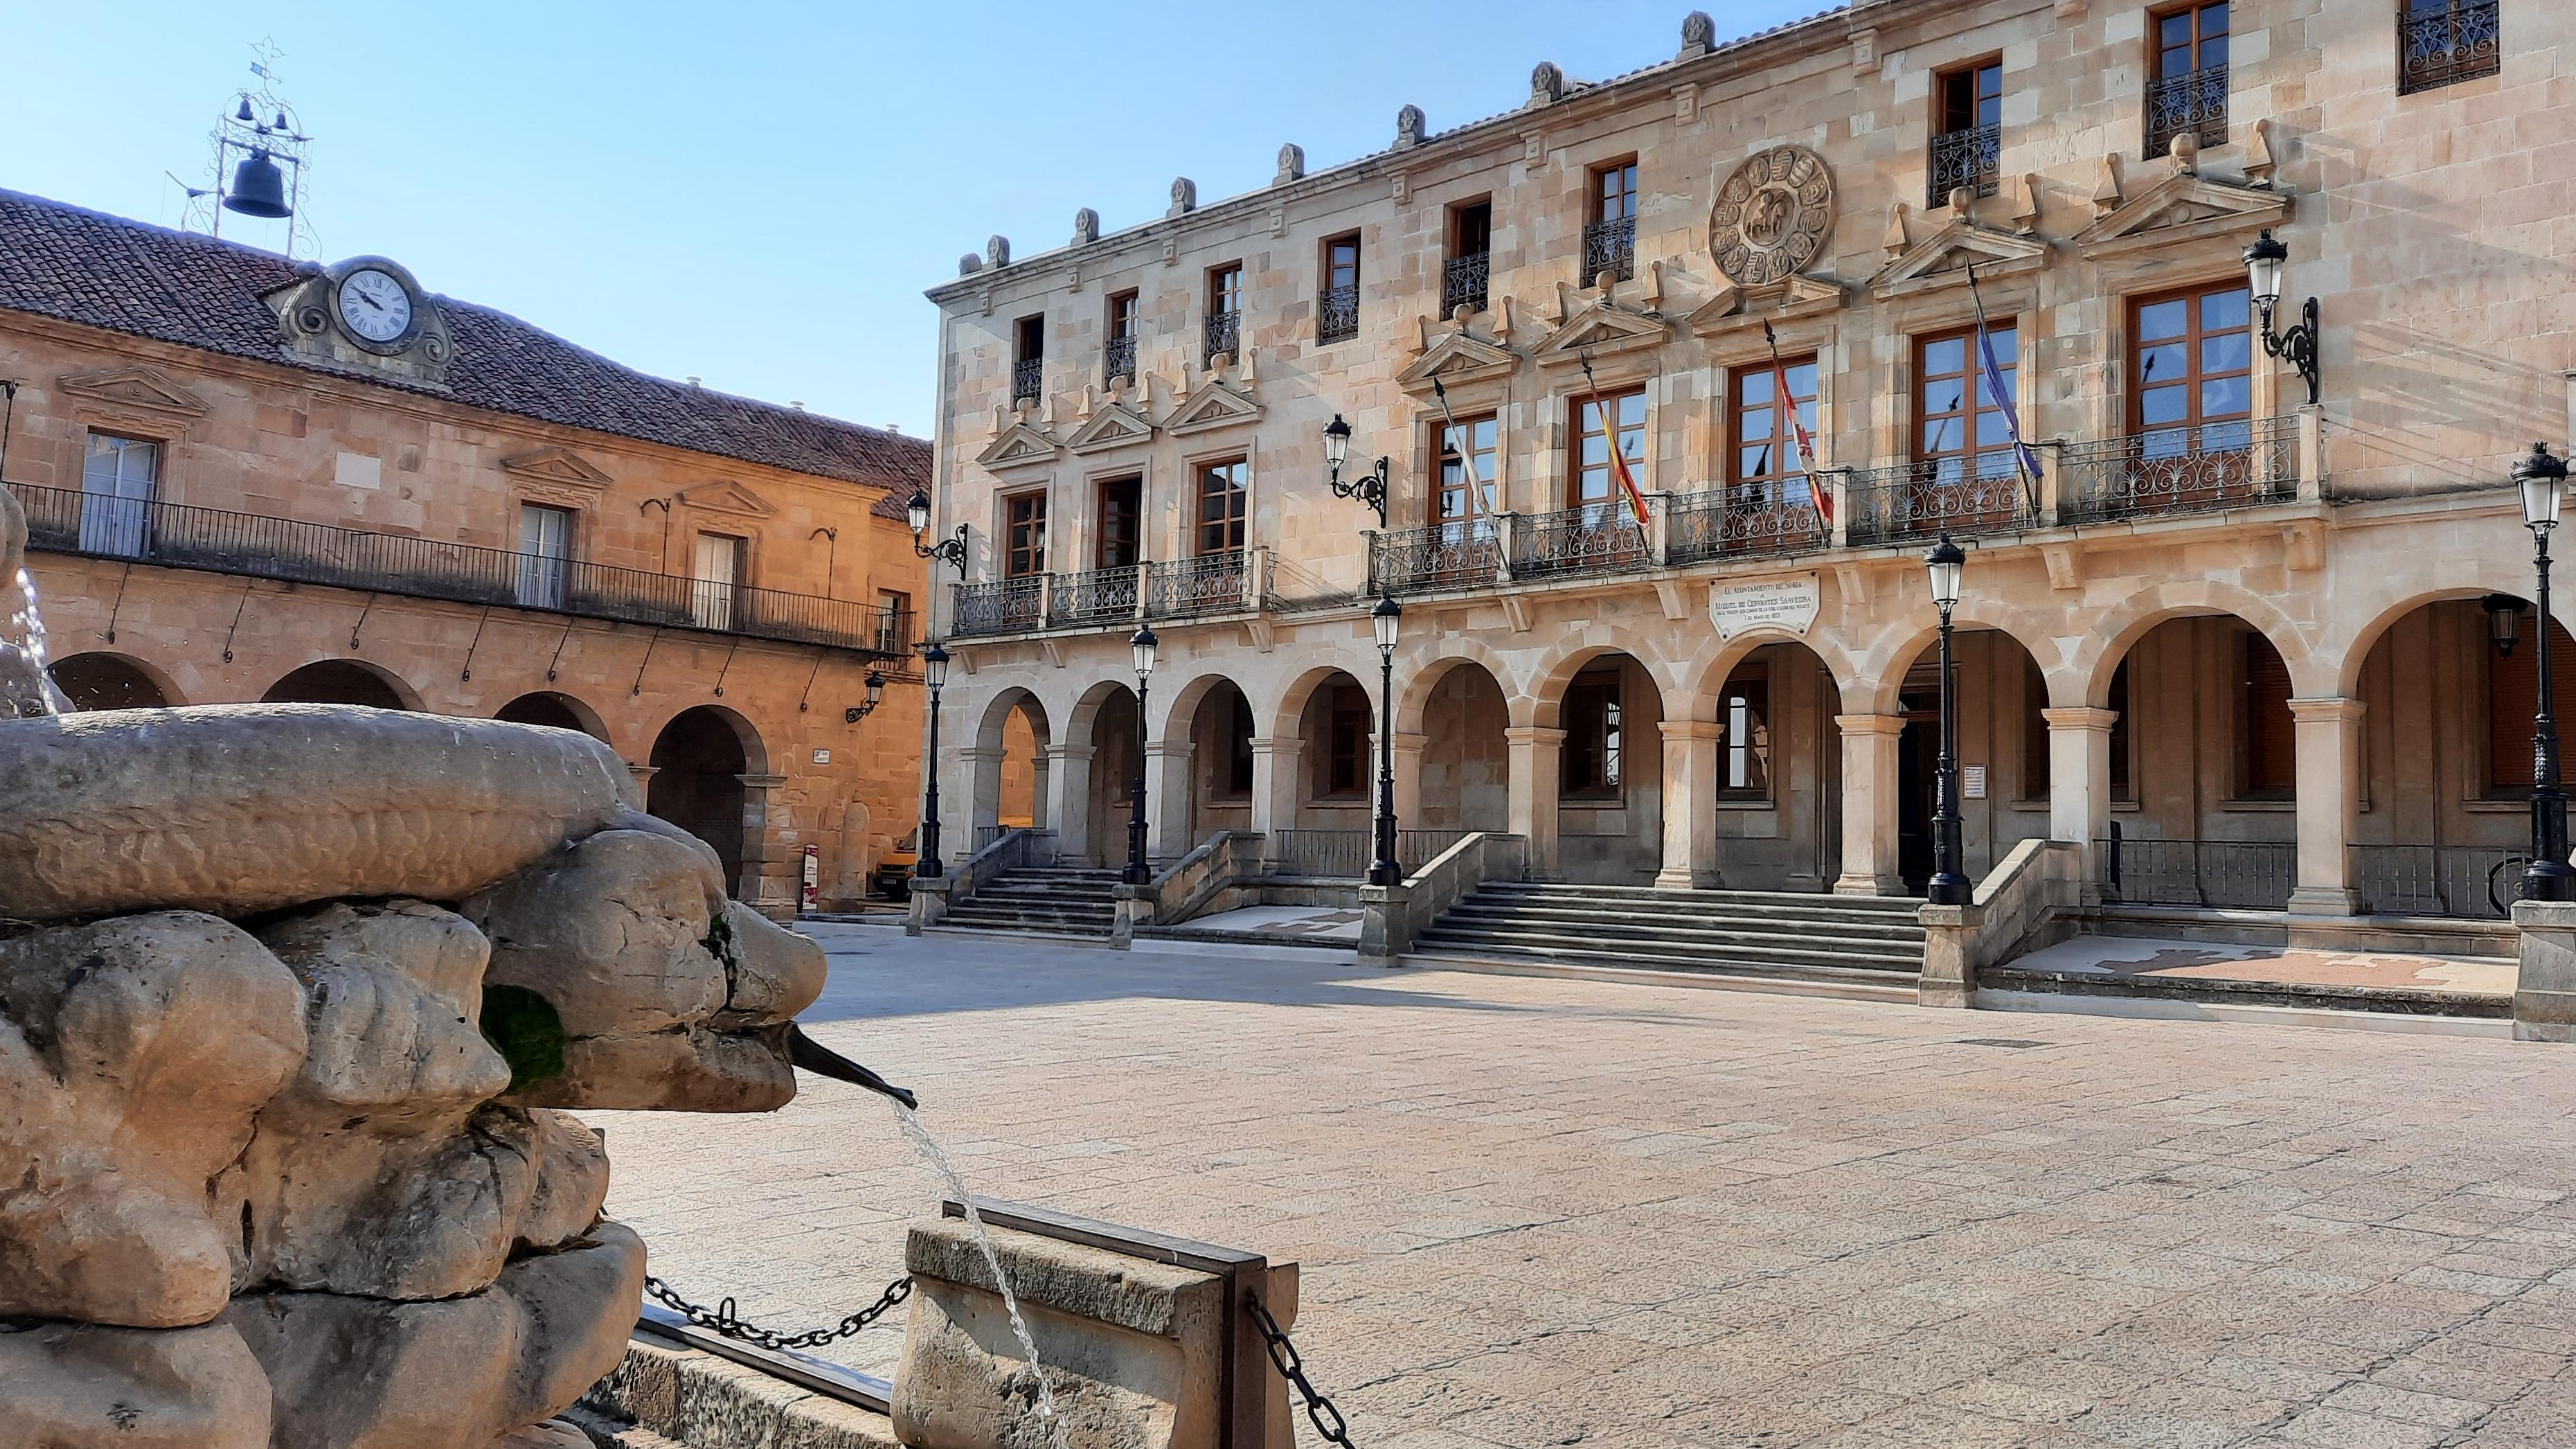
pixel 1610 436
pixel 1787 402
pixel 2024 464
pixel 1466 453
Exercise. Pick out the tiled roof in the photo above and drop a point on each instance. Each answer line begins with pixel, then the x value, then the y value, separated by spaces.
pixel 125 276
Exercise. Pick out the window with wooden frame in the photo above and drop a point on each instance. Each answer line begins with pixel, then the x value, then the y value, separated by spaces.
pixel 1028 357
pixel 1965 469
pixel 2268 738
pixel 1595 730
pixel 1126 315
pixel 1744 769
pixel 1346 742
pixel 1337 303
pixel 1468 269
pixel 1610 228
pixel 1224 309
pixel 1472 447
pixel 1024 518
pixel 1763 469
pixel 1222 495
pixel 120 477
pixel 894 621
pixel 2188 92
pixel 1120 534
pixel 1967 136
pixel 2191 364
pixel 1589 477
pixel 2513 700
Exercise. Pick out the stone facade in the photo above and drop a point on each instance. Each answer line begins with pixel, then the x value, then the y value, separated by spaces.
pixel 750 727
pixel 2244 635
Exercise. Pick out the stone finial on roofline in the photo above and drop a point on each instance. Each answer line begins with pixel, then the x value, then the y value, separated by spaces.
pixel 968 264
pixel 997 250
pixel 1086 227
pixel 1292 164
pixel 1185 196
pixel 1409 128
pixel 1547 83
pixel 1699 35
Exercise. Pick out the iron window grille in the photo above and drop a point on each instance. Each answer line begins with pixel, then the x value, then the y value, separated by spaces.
pixel 1025 376
pixel 1224 335
pixel 2194 102
pixel 2196 468
pixel 1337 314
pixel 1120 358
pixel 1969 158
pixel 1463 282
pixel 2441 43
pixel 1610 246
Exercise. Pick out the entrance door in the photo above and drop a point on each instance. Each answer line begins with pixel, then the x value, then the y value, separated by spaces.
pixel 545 546
pixel 117 477
pixel 718 568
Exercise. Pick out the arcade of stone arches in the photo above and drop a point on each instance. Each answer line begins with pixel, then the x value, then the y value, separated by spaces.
pixel 2236 760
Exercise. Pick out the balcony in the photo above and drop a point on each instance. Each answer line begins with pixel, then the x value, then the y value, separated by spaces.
pixel 1096 597
pixel 1118 359
pixel 1000 606
pixel 1458 554
pixel 1235 582
pixel 2200 469
pixel 2195 101
pixel 1742 522
pixel 249 545
pixel 1969 158
pixel 1588 539
pixel 2439 43
pixel 1463 282
pixel 1610 246
pixel 1337 314
pixel 1026 374
pixel 1209 584
pixel 1224 336
pixel 1964 497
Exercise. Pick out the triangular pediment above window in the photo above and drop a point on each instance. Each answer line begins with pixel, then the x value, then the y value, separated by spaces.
pixel 2183 208
pixel 1460 357
pixel 1212 404
pixel 1943 259
pixel 725 496
pixel 1115 425
pixel 1734 309
pixel 148 388
pixel 560 466
pixel 1600 328
pixel 1019 445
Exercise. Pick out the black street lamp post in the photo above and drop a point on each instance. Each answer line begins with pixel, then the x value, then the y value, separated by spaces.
pixel 1948 887
pixel 2543 481
pixel 1144 644
pixel 2265 260
pixel 1386 618
pixel 950 551
pixel 934 673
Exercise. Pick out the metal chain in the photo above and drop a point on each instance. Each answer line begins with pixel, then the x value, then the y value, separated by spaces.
pixel 1284 1354
pixel 721 1319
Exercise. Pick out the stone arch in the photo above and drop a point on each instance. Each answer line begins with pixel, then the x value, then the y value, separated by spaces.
pixel 2356 646
pixel 1106 720
pixel 555 708
pixel 997 715
pixel 1177 706
pixel 1705 674
pixel 1878 672
pixel 1086 707
pixel 1421 674
pixel 343 681
pixel 2121 626
pixel 1540 695
pixel 1008 760
pixel 1285 715
pixel 700 756
pixel 1455 719
pixel 103 679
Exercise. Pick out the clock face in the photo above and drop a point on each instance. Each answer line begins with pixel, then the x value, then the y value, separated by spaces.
pixel 374 305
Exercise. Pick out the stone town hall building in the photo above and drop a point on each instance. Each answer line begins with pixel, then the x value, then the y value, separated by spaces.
pixel 249 478
pixel 2240 628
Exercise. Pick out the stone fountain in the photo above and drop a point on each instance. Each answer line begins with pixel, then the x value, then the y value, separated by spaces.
pixel 292 1001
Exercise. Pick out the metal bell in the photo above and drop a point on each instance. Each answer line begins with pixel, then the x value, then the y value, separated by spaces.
pixel 259 188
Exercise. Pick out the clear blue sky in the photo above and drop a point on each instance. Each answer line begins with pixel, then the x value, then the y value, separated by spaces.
pixel 758 193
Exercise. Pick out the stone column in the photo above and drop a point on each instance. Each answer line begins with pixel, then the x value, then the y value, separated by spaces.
pixel 2329 748
pixel 1690 804
pixel 1408 780
pixel 1167 799
pixel 983 770
pixel 1038 807
pixel 1069 798
pixel 763 854
pixel 1869 805
pixel 642 776
pixel 1536 780
pixel 2079 782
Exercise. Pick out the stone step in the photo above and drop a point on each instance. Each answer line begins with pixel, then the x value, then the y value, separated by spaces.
pixel 1837 923
pixel 1438 943
pixel 1650 896
pixel 1811 935
pixel 1662 949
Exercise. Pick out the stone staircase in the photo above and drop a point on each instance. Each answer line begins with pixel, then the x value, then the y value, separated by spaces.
pixel 1062 900
pixel 1868 946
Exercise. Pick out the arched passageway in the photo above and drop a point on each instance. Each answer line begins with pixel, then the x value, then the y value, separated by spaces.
pixel 1220 741
pixel 100 680
pixel 553 709
pixel 340 681
pixel 1777 782
pixel 2003 754
pixel 2203 770
pixel 1610 773
pixel 1328 833
pixel 698 762
pixel 1008 766
pixel 1113 740
pixel 1463 780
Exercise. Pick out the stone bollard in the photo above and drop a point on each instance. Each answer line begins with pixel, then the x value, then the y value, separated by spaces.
pixel 1135 1349
pixel 2544 993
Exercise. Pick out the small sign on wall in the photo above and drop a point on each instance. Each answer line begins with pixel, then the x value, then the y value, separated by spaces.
pixel 1972 782
pixel 822 757
pixel 1789 604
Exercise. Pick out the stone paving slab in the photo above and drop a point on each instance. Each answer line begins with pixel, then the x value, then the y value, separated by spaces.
pixel 2213 960
pixel 1319 923
pixel 1536 1211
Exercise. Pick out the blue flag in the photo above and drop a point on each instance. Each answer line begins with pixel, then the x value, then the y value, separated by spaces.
pixel 2022 454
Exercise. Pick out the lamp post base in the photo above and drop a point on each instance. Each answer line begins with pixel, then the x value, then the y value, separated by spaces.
pixel 2549 880
pixel 1949 889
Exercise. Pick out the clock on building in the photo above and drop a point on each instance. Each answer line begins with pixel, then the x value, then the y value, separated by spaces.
pixel 375 305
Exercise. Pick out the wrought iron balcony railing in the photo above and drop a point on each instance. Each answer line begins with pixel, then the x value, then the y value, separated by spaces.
pixel 1000 606
pixel 1610 246
pixel 2194 101
pixel 1743 521
pixel 1026 375
pixel 1118 359
pixel 251 545
pixel 1463 281
pixel 1209 584
pixel 1224 335
pixel 1969 158
pixel 1337 314
pixel 1589 538
pixel 1965 497
pixel 1465 553
pixel 2443 41
pixel 1099 596
pixel 2199 469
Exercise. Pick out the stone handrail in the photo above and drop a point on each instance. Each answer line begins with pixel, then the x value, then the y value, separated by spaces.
pixel 1393 917
pixel 1224 859
pixel 2027 901
pixel 933 895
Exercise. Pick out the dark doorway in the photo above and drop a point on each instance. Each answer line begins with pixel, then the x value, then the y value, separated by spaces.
pixel 107 681
pixel 334 681
pixel 545 708
pixel 1918 762
pixel 698 765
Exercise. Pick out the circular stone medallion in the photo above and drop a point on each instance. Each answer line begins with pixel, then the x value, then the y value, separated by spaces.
pixel 1772 215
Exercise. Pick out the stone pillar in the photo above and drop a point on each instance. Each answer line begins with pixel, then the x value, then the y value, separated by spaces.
pixel 1167 799
pixel 1690 804
pixel 983 770
pixel 2329 748
pixel 1038 808
pixel 767 878
pixel 2544 993
pixel 1869 805
pixel 2079 783
pixel 1408 779
pixel 1276 761
pixel 1069 799
pixel 1536 780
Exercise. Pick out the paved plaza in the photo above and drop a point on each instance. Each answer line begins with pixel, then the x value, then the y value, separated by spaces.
pixel 1545 1212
